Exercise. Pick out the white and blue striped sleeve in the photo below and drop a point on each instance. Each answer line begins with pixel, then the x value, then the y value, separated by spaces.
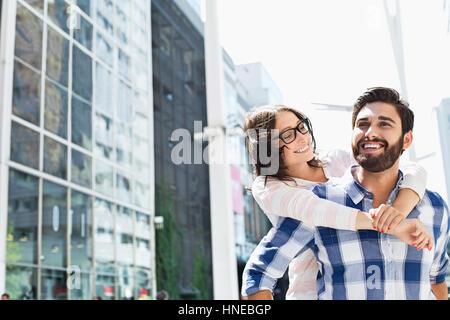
pixel 271 258
pixel 440 262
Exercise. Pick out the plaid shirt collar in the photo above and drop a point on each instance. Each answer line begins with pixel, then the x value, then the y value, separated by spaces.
pixel 357 192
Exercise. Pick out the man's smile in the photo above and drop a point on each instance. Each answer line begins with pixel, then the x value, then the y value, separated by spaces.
pixel 371 146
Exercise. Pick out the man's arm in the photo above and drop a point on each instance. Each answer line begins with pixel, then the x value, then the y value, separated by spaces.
pixel 440 290
pixel 440 261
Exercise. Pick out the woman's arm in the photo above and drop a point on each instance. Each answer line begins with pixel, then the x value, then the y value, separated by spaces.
pixel 278 198
pixel 386 217
pixel 275 197
pixel 412 189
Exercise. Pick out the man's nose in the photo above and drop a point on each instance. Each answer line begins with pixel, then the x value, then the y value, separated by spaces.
pixel 371 132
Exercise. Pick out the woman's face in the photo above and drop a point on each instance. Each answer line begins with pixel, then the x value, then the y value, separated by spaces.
pixel 298 151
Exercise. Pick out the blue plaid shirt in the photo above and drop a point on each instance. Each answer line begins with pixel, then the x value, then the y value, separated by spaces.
pixel 360 265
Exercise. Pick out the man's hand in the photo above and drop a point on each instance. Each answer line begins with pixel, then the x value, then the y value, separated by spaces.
pixel 413 232
pixel 260 295
pixel 386 218
pixel 440 290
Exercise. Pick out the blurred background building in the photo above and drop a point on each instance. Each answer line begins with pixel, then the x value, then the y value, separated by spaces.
pixel 182 191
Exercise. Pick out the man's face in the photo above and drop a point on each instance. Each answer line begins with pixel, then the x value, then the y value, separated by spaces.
pixel 377 139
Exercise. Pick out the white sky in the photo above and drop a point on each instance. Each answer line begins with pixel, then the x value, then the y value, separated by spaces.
pixel 331 51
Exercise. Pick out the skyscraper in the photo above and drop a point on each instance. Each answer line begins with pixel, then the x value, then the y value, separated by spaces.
pixel 76 149
pixel 183 249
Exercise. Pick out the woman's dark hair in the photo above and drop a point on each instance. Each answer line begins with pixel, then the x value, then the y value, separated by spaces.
pixel 262 121
pixel 386 95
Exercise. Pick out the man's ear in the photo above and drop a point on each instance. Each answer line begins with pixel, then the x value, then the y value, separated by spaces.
pixel 407 140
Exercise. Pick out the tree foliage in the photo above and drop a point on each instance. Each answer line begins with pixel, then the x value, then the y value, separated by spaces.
pixel 168 270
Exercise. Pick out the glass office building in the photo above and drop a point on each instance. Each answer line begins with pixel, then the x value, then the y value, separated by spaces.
pixel 78 156
pixel 182 191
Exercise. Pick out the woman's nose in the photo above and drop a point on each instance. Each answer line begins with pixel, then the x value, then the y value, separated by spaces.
pixel 301 137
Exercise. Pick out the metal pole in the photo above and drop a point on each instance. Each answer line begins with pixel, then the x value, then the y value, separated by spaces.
pixel 222 224
pixel 7 43
pixel 395 30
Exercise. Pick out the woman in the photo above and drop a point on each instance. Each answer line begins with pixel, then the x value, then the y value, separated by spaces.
pixel 287 193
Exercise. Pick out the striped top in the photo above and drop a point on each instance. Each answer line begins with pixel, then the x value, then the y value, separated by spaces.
pixel 297 201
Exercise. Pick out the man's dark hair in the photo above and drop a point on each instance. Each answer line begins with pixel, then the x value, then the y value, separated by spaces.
pixel 386 95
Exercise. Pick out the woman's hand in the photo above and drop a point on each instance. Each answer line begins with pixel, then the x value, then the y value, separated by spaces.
pixel 386 218
pixel 413 232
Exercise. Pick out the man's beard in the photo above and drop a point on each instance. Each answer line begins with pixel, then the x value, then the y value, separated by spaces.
pixel 380 162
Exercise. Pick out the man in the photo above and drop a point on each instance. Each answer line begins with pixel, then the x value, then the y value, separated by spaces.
pixel 363 264
pixel 5 296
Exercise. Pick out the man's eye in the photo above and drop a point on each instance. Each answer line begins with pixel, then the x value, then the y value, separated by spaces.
pixel 385 124
pixel 363 124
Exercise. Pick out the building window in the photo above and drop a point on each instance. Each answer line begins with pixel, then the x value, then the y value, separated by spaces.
pixel 56 101
pixel 24 145
pixel 54 225
pixel 26 93
pixel 22 234
pixel 29 30
pixel 57 57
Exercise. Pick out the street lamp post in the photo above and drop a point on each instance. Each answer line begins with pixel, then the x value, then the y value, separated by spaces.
pixel 392 11
pixel 222 223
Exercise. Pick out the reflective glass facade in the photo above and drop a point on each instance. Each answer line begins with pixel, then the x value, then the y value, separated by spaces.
pixel 79 210
pixel 183 247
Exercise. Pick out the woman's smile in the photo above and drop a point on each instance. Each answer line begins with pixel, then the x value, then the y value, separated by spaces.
pixel 302 150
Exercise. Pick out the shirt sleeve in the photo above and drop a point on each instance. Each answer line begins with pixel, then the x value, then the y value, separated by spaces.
pixel 277 198
pixel 414 177
pixel 336 162
pixel 440 261
pixel 271 258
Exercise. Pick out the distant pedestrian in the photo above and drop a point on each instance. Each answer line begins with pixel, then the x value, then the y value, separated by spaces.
pixel 162 295
pixel 97 298
pixel 5 296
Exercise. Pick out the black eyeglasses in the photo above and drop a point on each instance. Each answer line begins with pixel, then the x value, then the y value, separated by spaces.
pixel 289 135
